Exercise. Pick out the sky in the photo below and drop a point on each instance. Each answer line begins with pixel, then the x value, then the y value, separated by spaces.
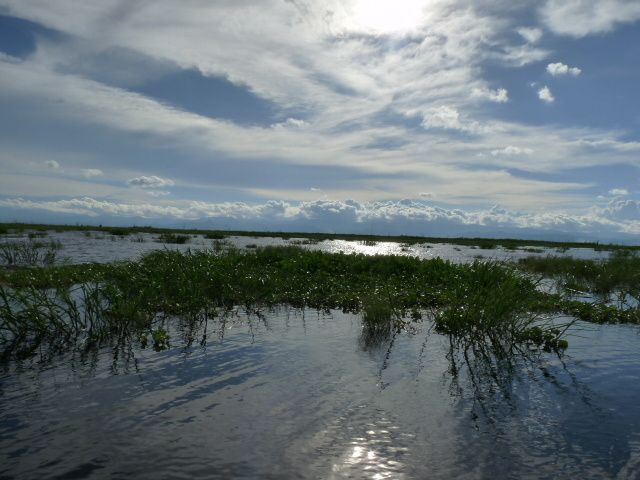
pixel 421 117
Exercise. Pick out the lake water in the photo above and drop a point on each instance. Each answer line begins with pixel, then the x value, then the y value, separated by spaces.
pixel 305 395
pixel 102 247
pixel 298 394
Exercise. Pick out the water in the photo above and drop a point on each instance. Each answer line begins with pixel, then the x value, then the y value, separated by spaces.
pixel 306 395
pixel 103 247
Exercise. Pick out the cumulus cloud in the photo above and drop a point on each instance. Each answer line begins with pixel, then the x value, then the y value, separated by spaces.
pixel 511 150
pixel 545 95
pixel 448 118
pixel 578 18
pixel 530 34
pixel 52 164
pixel 620 217
pixel 500 95
pixel 91 172
pixel 150 182
pixel 557 69
pixel 619 191
pixel 619 209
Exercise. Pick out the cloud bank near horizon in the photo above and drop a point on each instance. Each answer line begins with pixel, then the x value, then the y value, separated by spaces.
pixel 618 218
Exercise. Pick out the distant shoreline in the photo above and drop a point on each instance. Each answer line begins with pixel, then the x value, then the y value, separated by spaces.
pixel 486 243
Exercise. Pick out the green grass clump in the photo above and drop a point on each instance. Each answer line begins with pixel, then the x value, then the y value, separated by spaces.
pixel 119 232
pixel 175 239
pixel 215 236
pixel 618 277
pixel 29 252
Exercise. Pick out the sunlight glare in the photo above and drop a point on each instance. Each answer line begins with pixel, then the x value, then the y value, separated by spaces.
pixel 389 16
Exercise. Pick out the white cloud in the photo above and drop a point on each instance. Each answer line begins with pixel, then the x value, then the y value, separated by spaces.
pixel 578 18
pixel 158 193
pixel 618 209
pixel 500 95
pixel 448 118
pixel 511 150
pixel 521 55
pixel 312 65
pixel 52 164
pixel 545 95
pixel 91 172
pixel 619 218
pixel 557 69
pixel 150 182
pixel 291 123
pixel 530 34
pixel 619 191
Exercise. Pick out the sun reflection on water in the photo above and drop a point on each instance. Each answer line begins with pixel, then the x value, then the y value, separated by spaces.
pixel 377 454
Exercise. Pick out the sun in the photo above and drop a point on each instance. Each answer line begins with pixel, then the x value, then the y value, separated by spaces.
pixel 388 16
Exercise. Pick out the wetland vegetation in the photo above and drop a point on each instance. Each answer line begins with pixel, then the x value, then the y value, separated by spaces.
pixel 483 302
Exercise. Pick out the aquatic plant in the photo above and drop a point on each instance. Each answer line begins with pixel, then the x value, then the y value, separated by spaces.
pixel 174 238
pixel 214 236
pixel 28 252
pixel 480 301
pixel 616 278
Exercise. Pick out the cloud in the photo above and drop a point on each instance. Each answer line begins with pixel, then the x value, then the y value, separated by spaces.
pixel 352 90
pixel 150 182
pixel 157 193
pixel 578 18
pixel 557 69
pixel 52 164
pixel 500 95
pixel 521 55
pixel 531 35
pixel 619 191
pixel 545 95
pixel 291 123
pixel 618 209
pixel 447 118
pixel 619 219
pixel 91 172
pixel 511 150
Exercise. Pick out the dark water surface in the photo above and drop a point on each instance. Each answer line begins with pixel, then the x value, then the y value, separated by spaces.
pixel 307 395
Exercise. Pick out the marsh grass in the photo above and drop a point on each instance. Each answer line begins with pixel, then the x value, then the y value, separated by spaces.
pixel 368 243
pixel 29 252
pixel 214 236
pixel 304 241
pixel 483 303
pixel 174 238
pixel 616 279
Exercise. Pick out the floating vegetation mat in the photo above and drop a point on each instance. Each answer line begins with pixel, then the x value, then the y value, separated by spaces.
pixel 484 306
